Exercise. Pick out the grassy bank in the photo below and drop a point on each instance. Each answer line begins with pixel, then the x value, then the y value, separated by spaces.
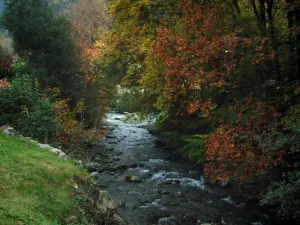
pixel 36 187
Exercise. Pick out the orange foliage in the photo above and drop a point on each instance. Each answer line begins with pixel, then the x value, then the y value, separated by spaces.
pixel 241 150
pixel 67 119
pixel 203 56
pixel 4 83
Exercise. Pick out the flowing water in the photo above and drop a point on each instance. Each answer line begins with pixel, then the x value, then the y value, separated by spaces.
pixel 167 191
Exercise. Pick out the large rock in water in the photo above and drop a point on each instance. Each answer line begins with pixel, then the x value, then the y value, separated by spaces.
pixel 133 179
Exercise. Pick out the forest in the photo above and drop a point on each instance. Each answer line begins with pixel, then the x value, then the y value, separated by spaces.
pixel 222 76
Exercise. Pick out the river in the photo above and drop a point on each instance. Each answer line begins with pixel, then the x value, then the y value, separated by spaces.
pixel 166 190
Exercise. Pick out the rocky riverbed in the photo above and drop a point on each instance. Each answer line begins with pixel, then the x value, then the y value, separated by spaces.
pixel 150 186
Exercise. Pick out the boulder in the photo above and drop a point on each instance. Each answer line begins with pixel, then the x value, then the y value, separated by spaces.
pixel 165 192
pixel 105 203
pixel 178 194
pixel 121 167
pixel 6 129
pixel 110 136
pixel 57 151
pixel 92 167
pixel 119 220
pixel 134 165
pixel 72 220
pixel 133 179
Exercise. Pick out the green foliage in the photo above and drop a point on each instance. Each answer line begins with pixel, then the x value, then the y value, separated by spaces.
pixel 35 185
pixel 285 196
pixel 133 100
pixel 195 147
pixel 22 106
pixel 46 41
pixel 40 123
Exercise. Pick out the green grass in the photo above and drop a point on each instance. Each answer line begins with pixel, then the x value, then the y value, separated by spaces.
pixel 36 187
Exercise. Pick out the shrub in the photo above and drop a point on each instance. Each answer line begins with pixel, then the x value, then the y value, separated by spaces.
pixel 285 195
pixel 40 123
pixel 195 148
pixel 22 106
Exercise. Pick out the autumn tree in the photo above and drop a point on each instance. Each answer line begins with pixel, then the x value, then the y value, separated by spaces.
pixel 89 17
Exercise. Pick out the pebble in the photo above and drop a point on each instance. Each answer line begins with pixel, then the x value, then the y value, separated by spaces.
pixel 178 194
pixel 165 192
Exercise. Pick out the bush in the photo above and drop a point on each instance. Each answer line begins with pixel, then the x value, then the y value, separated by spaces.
pixel 40 123
pixel 22 106
pixel 285 195
pixel 195 148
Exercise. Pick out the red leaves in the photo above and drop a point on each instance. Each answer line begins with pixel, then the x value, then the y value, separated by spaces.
pixel 200 55
pixel 4 83
pixel 234 152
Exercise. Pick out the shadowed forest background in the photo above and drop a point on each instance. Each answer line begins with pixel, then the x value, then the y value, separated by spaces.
pixel 223 76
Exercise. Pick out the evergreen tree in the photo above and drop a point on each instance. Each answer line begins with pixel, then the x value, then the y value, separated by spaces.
pixel 46 41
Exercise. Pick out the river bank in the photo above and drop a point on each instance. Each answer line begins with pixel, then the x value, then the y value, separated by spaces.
pixel 39 184
pixel 153 187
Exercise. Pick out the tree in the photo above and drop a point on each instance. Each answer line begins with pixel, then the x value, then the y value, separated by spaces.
pixel 47 42
pixel 89 16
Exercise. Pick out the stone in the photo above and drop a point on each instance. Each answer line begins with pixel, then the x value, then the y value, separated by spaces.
pixel 256 223
pixel 174 203
pixel 178 194
pixel 94 174
pixel 134 165
pixel 193 174
pixel 110 136
pixel 72 220
pixel 206 224
pixel 6 129
pixel 133 179
pixel 121 204
pixel 105 202
pixel 165 192
pixel 57 151
pixel 92 167
pixel 102 209
pixel 121 167
pixel 119 220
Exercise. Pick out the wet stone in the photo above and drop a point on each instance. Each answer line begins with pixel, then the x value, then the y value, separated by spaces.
pixel 165 192
pixel 178 194
pixel 110 136
pixel 133 179
pixel 174 203
pixel 134 165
